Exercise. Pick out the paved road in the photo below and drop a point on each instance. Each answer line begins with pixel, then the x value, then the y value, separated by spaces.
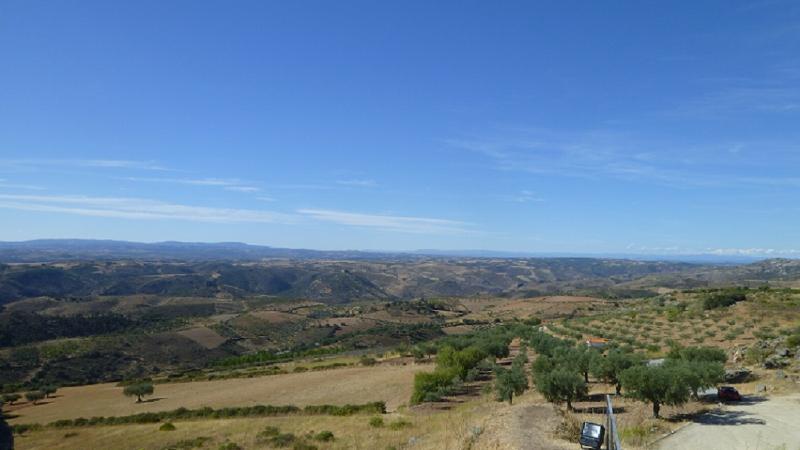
pixel 756 423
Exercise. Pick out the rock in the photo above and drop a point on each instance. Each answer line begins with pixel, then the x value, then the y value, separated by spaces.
pixel 737 375
pixel 775 362
pixel 761 388
pixel 782 352
pixel 779 375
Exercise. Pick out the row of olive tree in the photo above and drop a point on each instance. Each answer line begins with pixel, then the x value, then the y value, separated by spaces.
pixel 513 381
pixel 561 372
pixel 458 359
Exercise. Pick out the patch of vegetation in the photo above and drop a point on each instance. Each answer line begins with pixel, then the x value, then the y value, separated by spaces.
pixel 376 422
pixel 188 444
pixel 399 424
pixel 211 413
pixel 324 436
pixel 724 298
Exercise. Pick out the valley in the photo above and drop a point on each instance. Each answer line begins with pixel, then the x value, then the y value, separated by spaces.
pixel 232 349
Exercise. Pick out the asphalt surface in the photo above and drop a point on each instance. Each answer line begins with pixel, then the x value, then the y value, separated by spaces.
pixel 766 423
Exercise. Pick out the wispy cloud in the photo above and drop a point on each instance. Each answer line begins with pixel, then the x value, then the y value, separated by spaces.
pixel 358 183
pixel 8 185
pixel 96 163
pixel 148 209
pixel 235 185
pixel 245 189
pixel 598 154
pixel 137 208
pixel 740 100
pixel 525 196
pixel 405 224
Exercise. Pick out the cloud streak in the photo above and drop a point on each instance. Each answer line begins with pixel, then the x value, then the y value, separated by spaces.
pixel 234 185
pixel 404 224
pixel 358 183
pixel 601 154
pixel 87 163
pixel 147 209
pixel 137 208
pixel 5 184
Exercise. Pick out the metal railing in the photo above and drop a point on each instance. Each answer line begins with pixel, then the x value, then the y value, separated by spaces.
pixel 612 435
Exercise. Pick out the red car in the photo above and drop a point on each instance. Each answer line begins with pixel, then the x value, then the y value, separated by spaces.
pixel 728 393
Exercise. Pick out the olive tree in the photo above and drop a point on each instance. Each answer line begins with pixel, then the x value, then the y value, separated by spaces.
pixel 699 375
pixel 49 390
pixel 561 385
pixel 138 390
pixel 34 396
pixel 11 398
pixel 510 382
pixel 659 385
pixel 609 368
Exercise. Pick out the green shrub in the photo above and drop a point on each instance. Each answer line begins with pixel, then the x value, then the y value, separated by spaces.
pixel 755 355
pixel 399 424
pixel 167 427
pixel 25 427
pixel 267 433
pixel 300 445
pixel 188 444
pixel 724 298
pixel 429 384
pixel 367 361
pixel 283 440
pixel 229 446
pixel 324 436
pixel 376 422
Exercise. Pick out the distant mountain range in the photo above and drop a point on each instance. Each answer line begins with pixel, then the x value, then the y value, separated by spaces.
pixel 51 250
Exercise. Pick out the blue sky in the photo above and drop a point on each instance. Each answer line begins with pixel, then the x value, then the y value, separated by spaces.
pixel 576 127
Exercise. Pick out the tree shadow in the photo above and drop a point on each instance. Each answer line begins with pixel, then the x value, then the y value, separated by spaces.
pixel 152 400
pixel 749 400
pixel 600 409
pixel 728 418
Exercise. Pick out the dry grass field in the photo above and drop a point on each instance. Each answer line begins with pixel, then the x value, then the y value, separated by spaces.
pixel 204 336
pixel 276 317
pixel 448 430
pixel 391 384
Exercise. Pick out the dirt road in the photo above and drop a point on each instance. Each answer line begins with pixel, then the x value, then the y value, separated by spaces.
pixel 523 426
pixel 755 423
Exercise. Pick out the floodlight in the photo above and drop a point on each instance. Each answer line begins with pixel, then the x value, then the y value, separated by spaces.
pixel 592 435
